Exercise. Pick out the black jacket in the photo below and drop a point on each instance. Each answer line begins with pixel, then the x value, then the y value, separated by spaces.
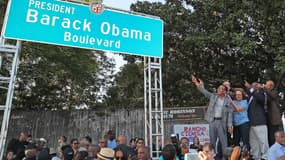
pixel 256 108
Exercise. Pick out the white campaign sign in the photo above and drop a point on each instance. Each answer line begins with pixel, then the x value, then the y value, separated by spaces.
pixel 192 130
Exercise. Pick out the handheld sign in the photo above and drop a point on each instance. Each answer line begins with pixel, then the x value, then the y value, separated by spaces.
pixel 69 24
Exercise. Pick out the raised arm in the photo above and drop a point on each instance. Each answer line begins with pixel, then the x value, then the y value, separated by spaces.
pixel 246 84
pixel 198 83
pixel 200 86
pixel 235 107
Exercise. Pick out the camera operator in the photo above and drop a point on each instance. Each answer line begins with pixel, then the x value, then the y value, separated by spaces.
pixel 175 142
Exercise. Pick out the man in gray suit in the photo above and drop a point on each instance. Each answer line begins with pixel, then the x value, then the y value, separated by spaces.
pixel 218 114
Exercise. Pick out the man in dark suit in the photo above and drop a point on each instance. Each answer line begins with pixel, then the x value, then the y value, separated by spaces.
pixel 257 110
pixel 274 121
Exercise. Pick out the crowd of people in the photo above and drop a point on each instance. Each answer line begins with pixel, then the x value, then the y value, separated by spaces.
pixel 243 124
pixel 249 118
pixel 107 148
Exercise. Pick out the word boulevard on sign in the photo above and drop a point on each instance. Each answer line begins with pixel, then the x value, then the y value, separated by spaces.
pixel 76 25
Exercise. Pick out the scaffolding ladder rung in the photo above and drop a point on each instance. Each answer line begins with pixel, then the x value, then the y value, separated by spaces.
pixel 8 48
pixel 155 64
pixel 2 87
pixel 156 111
pixel 155 89
pixel 157 134
pixel 2 107
pixel 5 79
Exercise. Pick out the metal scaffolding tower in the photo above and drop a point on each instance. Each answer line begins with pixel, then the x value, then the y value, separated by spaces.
pixel 153 105
pixel 9 60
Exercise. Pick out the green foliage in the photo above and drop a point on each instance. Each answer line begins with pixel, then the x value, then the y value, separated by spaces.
pixel 280 63
pixel 54 77
pixel 3 4
pixel 128 90
pixel 217 40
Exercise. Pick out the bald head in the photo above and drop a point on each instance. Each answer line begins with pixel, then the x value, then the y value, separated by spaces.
pixel 280 137
pixel 23 136
pixel 143 153
pixel 122 139
pixel 269 85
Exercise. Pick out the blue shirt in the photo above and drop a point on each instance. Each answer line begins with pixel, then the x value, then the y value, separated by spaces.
pixel 56 158
pixel 112 144
pixel 276 151
pixel 241 117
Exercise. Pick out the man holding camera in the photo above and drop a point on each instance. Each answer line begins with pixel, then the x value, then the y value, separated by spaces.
pixel 257 110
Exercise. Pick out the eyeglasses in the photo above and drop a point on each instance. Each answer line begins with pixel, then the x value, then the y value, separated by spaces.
pixel 75 143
